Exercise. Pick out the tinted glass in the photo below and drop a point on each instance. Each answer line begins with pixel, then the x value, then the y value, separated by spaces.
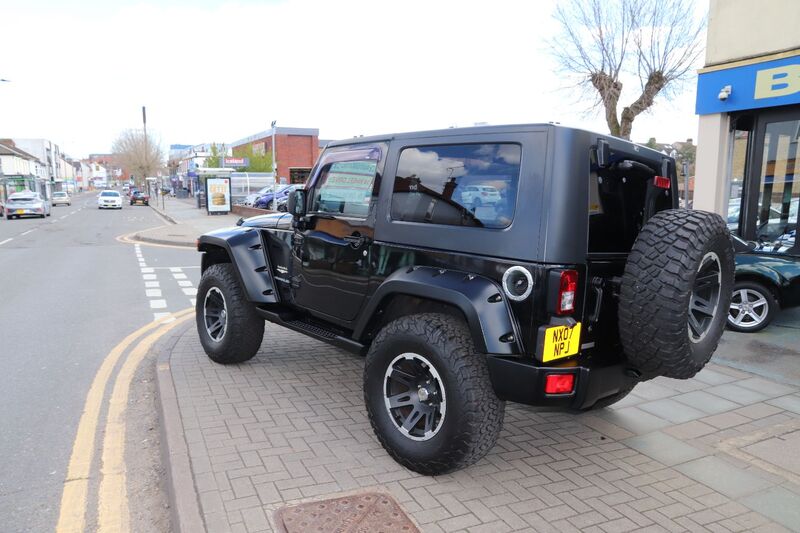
pixel 778 197
pixel 109 193
pixel 345 188
pixel 459 185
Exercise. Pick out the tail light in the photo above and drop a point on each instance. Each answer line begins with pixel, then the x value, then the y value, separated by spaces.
pixel 567 289
pixel 662 182
pixel 559 383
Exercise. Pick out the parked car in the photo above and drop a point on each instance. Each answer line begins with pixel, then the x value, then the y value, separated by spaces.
pixel 109 200
pixel 267 201
pixel 767 280
pixel 458 310
pixel 479 195
pixel 251 198
pixel 61 198
pixel 140 198
pixel 26 204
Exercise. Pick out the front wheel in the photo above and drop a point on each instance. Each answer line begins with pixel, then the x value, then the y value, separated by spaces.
pixel 229 328
pixel 752 307
pixel 428 394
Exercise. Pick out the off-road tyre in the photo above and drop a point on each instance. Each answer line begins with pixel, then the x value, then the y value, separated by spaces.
pixel 771 303
pixel 657 288
pixel 244 329
pixel 474 414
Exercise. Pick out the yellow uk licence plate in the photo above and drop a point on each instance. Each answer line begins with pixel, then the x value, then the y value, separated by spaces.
pixel 20 211
pixel 561 341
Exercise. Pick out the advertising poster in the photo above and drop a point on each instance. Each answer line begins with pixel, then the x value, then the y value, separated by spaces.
pixel 218 195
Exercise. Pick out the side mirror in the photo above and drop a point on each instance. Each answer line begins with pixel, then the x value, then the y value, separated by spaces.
pixel 296 203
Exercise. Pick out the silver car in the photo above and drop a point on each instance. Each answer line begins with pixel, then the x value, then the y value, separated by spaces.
pixel 61 198
pixel 26 204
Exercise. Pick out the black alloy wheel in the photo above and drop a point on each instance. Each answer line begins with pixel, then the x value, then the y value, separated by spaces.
pixel 704 300
pixel 414 396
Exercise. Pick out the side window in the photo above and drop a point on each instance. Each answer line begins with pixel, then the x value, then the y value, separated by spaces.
pixel 345 188
pixel 458 184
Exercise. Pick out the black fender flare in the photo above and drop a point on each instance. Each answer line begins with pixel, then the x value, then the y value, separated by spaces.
pixel 245 249
pixel 479 298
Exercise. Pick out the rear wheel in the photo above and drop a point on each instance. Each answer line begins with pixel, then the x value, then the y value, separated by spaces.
pixel 752 307
pixel 675 293
pixel 428 394
pixel 229 328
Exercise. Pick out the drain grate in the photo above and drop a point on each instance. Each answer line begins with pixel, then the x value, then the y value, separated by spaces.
pixel 367 512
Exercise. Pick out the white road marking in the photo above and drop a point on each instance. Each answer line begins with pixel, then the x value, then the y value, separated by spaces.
pixel 5 241
pixel 178 276
pixel 148 276
pixel 182 268
pixel 193 300
pixel 151 284
pixel 175 269
pixel 152 293
pixel 157 316
pixel 190 292
pixel 184 283
pixel 158 304
pixel 147 270
pixel 62 217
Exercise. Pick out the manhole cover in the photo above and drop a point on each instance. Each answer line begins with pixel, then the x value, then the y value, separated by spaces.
pixel 360 513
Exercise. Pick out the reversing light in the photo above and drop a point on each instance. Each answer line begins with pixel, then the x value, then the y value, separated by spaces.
pixel 559 383
pixel 567 288
pixel 662 182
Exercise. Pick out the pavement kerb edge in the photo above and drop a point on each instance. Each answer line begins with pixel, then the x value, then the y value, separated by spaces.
pixel 183 497
pixel 162 214
pixel 142 238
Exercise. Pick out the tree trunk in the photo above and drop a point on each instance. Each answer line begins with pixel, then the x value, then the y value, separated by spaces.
pixel 609 91
pixel 655 82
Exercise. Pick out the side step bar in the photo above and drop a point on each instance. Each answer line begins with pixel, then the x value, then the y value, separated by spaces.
pixel 302 325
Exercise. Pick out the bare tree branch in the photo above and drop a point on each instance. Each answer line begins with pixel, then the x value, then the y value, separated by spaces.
pixel 137 156
pixel 601 41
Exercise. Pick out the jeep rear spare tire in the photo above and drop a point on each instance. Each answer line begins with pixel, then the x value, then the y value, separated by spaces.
pixel 428 394
pixel 675 293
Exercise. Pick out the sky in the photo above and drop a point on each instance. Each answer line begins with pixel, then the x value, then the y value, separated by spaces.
pixel 218 71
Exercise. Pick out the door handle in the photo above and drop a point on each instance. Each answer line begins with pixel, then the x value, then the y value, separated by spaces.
pixel 356 240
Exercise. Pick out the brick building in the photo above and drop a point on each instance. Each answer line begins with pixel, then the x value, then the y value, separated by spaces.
pixel 295 150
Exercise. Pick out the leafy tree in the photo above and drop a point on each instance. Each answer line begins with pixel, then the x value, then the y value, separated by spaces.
pixel 651 143
pixel 215 159
pixel 603 42
pixel 258 162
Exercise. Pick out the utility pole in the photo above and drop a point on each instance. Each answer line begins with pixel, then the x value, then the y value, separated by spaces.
pixel 144 123
pixel 274 155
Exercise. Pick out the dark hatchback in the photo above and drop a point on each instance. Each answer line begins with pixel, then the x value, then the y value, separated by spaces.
pixel 767 280
pixel 138 197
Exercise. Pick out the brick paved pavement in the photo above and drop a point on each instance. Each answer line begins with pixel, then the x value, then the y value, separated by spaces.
pixel 718 453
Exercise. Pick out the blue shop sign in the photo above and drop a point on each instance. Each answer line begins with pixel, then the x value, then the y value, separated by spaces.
pixel 768 84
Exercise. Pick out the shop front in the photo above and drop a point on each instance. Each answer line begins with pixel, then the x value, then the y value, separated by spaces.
pixel 748 102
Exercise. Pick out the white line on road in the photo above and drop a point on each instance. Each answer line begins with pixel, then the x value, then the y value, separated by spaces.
pixel 184 283
pixel 175 269
pixel 176 275
pixel 26 232
pixel 182 268
pixel 5 241
pixel 147 270
pixel 158 304
pixel 190 292
pixel 62 217
pixel 157 316
pixel 193 300
pixel 148 276
pixel 151 284
pixel 152 293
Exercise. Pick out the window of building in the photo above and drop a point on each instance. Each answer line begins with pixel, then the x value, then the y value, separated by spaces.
pixel 298 175
pixel 345 188
pixel 459 184
pixel 778 198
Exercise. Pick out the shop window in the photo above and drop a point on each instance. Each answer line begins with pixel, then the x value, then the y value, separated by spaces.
pixel 458 185
pixel 779 192
pixel 737 185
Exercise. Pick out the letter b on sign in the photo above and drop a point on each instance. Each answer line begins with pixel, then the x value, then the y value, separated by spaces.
pixel 780 81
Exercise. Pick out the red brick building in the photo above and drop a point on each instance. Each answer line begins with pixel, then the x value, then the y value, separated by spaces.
pixel 296 150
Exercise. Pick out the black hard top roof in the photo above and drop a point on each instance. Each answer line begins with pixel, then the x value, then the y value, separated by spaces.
pixel 507 128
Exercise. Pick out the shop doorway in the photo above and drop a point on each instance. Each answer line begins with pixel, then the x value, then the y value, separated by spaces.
pixel 765 178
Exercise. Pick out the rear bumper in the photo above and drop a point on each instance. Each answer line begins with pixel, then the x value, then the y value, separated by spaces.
pixel 522 381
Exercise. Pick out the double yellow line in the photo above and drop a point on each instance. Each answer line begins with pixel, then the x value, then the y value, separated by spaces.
pixel 112 506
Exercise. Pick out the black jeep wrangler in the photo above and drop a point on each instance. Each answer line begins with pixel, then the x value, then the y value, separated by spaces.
pixel 537 264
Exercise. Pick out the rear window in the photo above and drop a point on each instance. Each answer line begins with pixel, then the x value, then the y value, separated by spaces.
pixel 59 194
pixel 109 193
pixel 457 185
